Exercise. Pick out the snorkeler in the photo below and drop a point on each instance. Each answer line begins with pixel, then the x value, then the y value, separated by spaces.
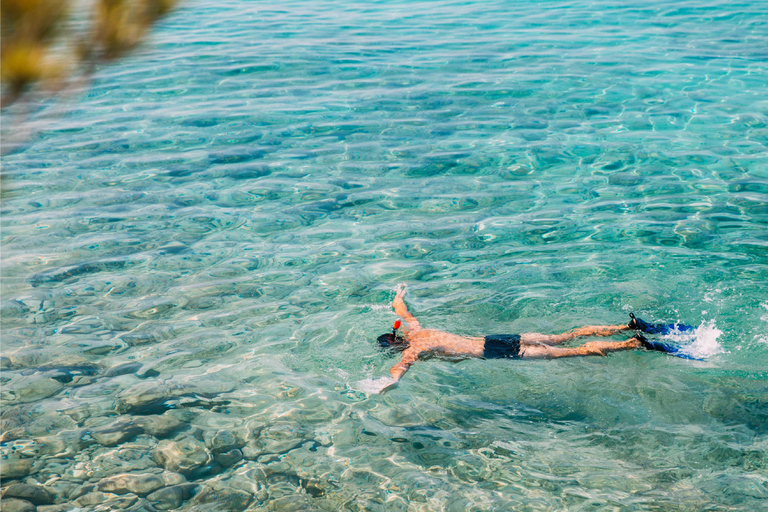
pixel 419 343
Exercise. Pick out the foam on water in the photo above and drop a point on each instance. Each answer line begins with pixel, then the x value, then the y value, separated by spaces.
pixel 699 343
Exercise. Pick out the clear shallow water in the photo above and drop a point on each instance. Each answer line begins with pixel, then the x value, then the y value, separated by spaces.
pixel 227 214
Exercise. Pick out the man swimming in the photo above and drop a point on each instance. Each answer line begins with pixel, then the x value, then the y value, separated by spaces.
pixel 419 343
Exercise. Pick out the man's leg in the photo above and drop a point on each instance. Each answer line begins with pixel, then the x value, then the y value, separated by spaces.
pixel 556 339
pixel 592 348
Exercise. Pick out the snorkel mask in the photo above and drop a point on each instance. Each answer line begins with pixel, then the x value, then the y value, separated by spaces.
pixel 392 340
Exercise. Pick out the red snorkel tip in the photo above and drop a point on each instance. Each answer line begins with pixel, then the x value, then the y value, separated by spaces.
pixel 397 325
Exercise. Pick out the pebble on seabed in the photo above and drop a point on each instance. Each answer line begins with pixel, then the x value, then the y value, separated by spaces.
pixel 106 500
pixel 15 468
pixel 182 456
pixel 95 477
pixel 140 484
pixel 16 505
pixel 224 498
pixel 169 498
pixel 84 456
pixel 35 494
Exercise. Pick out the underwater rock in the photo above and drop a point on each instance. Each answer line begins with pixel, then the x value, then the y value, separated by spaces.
pixel 109 461
pixel 73 371
pixel 236 155
pixel 241 480
pixel 173 248
pixel 79 472
pixel 61 507
pixel 91 499
pixel 230 458
pixel 126 428
pixel 292 503
pixel 63 445
pixel 105 501
pixel 225 499
pixel 151 395
pixel 276 439
pixel 60 489
pixel 252 450
pixel 114 438
pixel 123 369
pixel 79 413
pixel 140 484
pixel 182 456
pixel 82 490
pixel 33 420
pixel 249 172
pixel 163 424
pixel 313 488
pixel 169 498
pixel 207 471
pixel 15 308
pixel 122 430
pixel 16 505
pixel 28 388
pixel 11 434
pixel 30 357
pixel 133 339
pixel 21 449
pixel 15 468
pixel 64 273
pixel 222 440
pixel 35 494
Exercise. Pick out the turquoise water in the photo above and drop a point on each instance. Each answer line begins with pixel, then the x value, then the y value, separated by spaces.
pixel 209 237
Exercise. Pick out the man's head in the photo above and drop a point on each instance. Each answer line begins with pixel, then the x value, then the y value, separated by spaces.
pixel 392 342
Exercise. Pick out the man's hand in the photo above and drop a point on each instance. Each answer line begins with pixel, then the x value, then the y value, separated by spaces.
pixel 380 386
pixel 387 383
pixel 412 325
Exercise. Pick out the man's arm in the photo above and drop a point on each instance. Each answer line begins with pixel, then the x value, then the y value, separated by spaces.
pixel 385 384
pixel 410 356
pixel 402 311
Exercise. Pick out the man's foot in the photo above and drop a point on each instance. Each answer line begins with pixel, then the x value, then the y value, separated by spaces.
pixel 639 325
pixel 647 345
pixel 642 341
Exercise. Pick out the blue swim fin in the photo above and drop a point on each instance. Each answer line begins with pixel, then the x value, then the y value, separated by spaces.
pixel 662 346
pixel 640 325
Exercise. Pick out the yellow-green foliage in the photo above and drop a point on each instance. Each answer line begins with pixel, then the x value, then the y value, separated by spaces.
pixel 32 28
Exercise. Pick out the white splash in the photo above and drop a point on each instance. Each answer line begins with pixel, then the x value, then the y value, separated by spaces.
pixel 761 338
pixel 373 386
pixel 700 343
pixel 374 307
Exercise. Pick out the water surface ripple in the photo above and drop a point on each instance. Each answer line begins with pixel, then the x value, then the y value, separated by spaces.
pixel 198 256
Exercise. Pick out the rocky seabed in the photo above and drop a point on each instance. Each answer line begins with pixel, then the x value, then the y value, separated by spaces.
pixel 74 440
